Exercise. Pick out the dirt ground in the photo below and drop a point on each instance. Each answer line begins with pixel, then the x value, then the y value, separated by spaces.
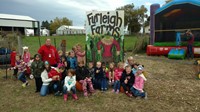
pixel 171 86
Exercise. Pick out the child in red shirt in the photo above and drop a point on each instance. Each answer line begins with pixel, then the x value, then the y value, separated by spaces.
pixel 12 61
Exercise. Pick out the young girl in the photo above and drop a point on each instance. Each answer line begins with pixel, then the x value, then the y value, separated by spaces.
pixel 80 54
pixel 63 62
pixel 138 86
pixel 72 60
pixel 37 68
pixel 118 73
pixel 12 60
pixel 70 85
pixel 82 75
pixel 111 73
pixel 21 66
pixel 26 55
pixel 26 58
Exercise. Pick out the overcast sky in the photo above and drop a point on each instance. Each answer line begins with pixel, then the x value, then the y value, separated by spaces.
pixel 75 10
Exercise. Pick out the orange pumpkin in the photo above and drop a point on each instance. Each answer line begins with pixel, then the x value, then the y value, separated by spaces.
pixel 79 86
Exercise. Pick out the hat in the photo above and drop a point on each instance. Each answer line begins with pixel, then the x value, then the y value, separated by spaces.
pixel 46 63
pixel 140 67
pixel 25 47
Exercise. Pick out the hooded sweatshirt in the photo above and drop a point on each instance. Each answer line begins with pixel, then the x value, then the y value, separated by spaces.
pixel 37 67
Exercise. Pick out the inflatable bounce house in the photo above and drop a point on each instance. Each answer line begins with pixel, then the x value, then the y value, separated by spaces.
pixel 168 25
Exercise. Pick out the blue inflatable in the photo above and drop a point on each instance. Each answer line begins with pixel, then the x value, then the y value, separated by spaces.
pixel 176 53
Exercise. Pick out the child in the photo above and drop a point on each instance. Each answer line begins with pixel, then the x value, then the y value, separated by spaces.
pixel 70 85
pixel 72 60
pixel 26 58
pixel 60 53
pixel 100 78
pixel 21 66
pixel 130 61
pixel 111 73
pixel 138 86
pixel 135 68
pixel 12 60
pixel 63 62
pixel 26 55
pixel 91 70
pixel 84 78
pixel 37 68
pixel 57 72
pixel 80 54
pixel 118 73
pixel 127 80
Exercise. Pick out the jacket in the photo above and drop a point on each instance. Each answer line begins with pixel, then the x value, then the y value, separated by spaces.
pixel 13 58
pixel 45 79
pixel 71 84
pixel 49 53
pixel 82 73
pixel 130 77
pixel 100 74
pixel 37 68
pixel 139 82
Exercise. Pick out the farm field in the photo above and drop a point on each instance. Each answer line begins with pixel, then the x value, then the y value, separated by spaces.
pixel 171 87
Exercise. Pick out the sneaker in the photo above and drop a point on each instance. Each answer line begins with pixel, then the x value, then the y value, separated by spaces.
pixel 146 96
pixel 129 95
pixel 113 90
pixel 24 85
pixel 57 93
pixel 74 96
pixel 117 92
pixel 27 84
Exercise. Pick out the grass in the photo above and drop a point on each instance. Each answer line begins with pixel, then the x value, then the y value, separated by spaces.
pixel 171 87
pixel 71 40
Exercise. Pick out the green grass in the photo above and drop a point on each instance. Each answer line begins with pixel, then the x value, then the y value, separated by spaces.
pixel 71 40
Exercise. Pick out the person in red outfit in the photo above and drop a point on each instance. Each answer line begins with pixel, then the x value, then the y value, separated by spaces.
pixel 49 53
pixel 107 43
pixel 12 61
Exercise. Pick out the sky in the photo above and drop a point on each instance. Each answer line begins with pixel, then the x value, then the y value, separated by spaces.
pixel 74 10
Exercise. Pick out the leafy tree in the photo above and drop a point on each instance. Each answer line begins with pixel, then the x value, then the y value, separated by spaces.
pixel 57 22
pixel 134 17
pixel 45 24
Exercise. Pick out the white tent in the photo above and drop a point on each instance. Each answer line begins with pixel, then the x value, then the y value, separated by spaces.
pixel 64 30
pixel 44 32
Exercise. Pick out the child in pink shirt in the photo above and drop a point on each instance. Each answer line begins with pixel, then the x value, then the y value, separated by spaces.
pixel 118 73
pixel 138 87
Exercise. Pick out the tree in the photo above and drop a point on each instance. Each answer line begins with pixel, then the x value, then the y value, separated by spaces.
pixel 134 17
pixel 57 22
pixel 45 24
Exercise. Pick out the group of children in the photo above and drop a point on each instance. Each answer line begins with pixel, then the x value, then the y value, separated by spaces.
pixel 72 69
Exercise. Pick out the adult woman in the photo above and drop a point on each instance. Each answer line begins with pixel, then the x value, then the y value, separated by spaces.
pixel 46 80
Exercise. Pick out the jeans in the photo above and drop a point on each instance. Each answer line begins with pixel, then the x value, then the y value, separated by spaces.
pixel 44 90
pixel 103 84
pixel 137 92
pixel 116 85
pixel 22 77
pixel 190 53
pixel 65 90
pixel 126 87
